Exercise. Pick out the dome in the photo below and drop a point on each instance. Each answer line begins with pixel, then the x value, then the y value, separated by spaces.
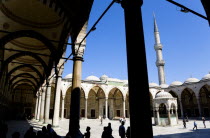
pixel 206 77
pixel 153 84
pixel 164 85
pixel 176 83
pixel 163 94
pixel 92 78
pixel 191 80
pixel 103 77
pixel 69 76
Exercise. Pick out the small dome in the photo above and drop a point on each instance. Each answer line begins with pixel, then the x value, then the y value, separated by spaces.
pixel 103 77
pixel 206 77
pixel 163 94
pixel 69 76
pixel 176 83
pixel 92 78
pixel 153 84
pixel 164 86
pixel 191 80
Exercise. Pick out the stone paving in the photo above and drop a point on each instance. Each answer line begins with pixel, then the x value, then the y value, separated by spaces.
pixel 96 128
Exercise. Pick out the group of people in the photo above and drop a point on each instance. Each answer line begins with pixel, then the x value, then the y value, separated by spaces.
pixel 46 132
pixel 107 133
pixel 195 124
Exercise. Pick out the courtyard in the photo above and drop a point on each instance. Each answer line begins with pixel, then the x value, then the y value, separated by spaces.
pixel 97 128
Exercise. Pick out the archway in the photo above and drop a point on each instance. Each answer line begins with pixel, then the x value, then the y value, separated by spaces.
pixel 115 104
pixel 189 103
pixel 96 102
pixel 204 95
pixel 178 102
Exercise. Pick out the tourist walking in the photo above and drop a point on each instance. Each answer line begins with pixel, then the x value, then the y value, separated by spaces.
pixel 184 123
pixel 195 125
pixel 203 119
pixel 122 130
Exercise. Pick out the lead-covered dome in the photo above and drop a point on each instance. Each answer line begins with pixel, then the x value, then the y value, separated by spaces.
pixel 69 76
pixel 153 85
pixel 191 80
pixel 103 77
pixel 206 77
pixel 176 83
pixel 164 86
pixel 163 94
pixel 92 78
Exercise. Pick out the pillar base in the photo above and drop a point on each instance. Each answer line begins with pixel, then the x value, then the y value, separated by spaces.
pixel 77 135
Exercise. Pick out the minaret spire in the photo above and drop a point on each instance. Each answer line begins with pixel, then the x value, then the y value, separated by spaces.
pixel 158 48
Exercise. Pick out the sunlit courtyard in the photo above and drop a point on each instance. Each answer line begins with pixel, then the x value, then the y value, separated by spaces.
pixel 97 128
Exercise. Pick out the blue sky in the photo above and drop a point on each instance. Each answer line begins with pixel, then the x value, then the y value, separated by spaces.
pixel 185 38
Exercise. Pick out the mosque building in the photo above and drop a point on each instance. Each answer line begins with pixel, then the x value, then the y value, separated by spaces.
pixel 108 97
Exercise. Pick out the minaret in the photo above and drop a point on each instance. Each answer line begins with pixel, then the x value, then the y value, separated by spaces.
pixel 158 48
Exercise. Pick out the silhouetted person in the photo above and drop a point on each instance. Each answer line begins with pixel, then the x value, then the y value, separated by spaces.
pixel 122 130
pixel 195 125
pixel 128 135
pixel 30 133
pixel 184 123
pixel 16 135
pixel 39 134
pixel 203 119
pixel 109 129
pixel 87 134
pixel 45 132
pixel 105 133
pixel 51 132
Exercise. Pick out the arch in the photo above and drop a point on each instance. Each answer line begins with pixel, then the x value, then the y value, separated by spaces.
pixel 28 33
pixel 175 95
pixel 189 103
pixel 27 74
pixel 29 66
pixel 29 81
pixel 163 110
pixel 204 94
pixel 26 53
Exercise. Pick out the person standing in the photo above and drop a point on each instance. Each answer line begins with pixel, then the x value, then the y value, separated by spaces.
pixel 122 130
pixel 87 134
pixel 195 125
pixel 101 120
pixel 184 123
pixel 128 132
pixel 203 119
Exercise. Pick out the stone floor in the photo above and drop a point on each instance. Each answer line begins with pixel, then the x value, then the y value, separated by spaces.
pixel 96 128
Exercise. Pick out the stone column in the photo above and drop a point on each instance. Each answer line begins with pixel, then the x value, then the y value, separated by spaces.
pixel 36 107
pixel 138 101
pixel 199 106
pixel 86 99
pixel 123 107
pixel 55 122
pixel 41 119
pixel 47 104
pixel 62 107
pixel 181 107
pixel 158 117
pixel 177 120
pixel 169 117
pixel 106 107
pixel 75 98
pixel 39 106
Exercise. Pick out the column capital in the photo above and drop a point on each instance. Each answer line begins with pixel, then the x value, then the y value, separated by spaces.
pixel 77 58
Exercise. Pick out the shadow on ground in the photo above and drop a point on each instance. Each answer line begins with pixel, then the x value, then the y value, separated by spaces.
pixel 200 133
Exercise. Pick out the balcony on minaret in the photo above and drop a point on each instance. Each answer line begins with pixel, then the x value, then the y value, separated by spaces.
pixel 158 46
pixel 160 63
